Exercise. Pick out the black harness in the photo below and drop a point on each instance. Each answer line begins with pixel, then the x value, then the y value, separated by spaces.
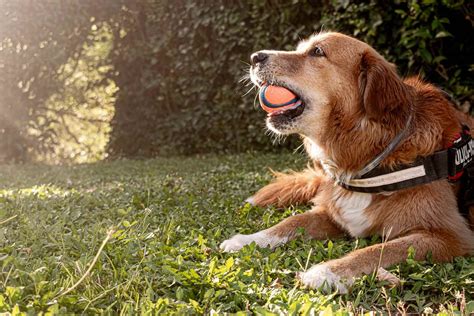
pixel 455 163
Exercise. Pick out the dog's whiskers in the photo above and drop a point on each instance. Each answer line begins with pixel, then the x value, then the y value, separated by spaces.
pixel 255 102
pixel 251 88
pixel 276 138
pixel 302 151
pixel 245 78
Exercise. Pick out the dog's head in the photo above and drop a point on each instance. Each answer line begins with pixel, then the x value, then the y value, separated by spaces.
pixel 338 78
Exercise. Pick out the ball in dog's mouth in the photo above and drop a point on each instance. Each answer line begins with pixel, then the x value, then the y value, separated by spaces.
pixel 280 101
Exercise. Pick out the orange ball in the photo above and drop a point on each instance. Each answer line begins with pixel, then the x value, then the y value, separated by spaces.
pixel 275 98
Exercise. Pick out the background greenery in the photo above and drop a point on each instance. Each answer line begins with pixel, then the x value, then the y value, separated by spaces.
pixel 169 217
pixel 83 80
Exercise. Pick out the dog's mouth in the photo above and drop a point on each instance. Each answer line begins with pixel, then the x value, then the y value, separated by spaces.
pixel 291 112
pixel 288 109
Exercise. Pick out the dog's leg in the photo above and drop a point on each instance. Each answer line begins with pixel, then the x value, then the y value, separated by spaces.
pixel 289 189
pixel 340 273
pixel 316 223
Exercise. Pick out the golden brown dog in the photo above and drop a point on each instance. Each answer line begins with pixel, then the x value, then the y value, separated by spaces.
pixel 355 104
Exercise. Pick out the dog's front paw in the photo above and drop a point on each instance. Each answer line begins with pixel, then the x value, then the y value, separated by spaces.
pixel 235 243
pixel 250 200
pixel 322 277
pixel 262 239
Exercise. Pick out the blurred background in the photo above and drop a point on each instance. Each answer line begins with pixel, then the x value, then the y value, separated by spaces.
pixel 87 80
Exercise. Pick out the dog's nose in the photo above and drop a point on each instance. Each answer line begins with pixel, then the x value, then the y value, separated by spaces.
pixel 258 57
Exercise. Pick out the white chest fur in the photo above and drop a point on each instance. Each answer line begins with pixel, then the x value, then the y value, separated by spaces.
pixel 352 215
pixel 317 153
pixel 314 151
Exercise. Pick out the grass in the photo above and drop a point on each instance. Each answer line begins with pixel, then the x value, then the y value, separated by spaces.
pixel 168 218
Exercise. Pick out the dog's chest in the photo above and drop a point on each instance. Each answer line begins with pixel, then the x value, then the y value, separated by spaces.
pixel 349 207
pixel 350 211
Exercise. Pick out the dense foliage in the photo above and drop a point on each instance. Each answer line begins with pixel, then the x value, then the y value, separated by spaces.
pixel 144 77
pixel 169 217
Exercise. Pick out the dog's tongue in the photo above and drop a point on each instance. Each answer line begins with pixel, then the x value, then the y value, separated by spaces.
pixel 276 98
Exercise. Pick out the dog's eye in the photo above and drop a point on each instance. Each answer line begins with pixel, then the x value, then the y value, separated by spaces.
pixel 317 51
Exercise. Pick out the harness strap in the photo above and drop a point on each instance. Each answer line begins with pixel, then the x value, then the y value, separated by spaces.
pixel 387 151
pixel 455 163
pixel 424 170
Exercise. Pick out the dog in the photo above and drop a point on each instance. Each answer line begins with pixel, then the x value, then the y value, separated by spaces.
pixel 355 110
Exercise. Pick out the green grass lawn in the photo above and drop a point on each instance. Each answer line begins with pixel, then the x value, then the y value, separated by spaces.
pixel 169 217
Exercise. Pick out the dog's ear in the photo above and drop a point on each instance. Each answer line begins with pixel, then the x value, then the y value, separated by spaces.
pixel 381 89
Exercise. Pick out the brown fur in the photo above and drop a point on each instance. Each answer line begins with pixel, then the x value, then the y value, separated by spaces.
pixel 356 105
pixel 290 189
pixel 317 223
